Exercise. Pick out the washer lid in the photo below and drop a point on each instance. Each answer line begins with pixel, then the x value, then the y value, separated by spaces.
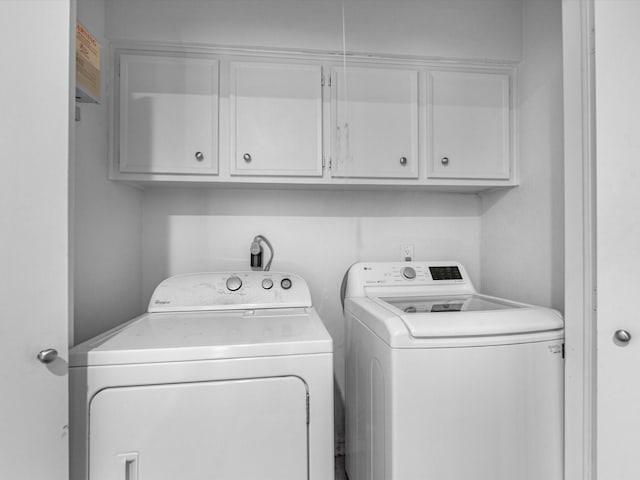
pixel 470 316
pixel 173 337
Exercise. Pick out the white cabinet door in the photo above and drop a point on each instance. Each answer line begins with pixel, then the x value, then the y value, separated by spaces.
pixel 375 123
pixel 470 125
pixel 168 114
pixel 231 430
pixel 276 119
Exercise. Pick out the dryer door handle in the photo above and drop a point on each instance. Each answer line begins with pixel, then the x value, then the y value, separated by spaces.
pixel 130 461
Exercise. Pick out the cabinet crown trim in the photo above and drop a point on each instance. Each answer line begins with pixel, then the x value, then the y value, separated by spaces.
pixel 313 55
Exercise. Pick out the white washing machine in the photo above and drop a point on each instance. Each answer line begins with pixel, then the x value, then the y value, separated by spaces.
pixel 228 376
pixel 445 383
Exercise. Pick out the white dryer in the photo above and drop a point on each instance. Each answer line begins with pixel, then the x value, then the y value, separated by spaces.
pixel 445 383
pixel 228 376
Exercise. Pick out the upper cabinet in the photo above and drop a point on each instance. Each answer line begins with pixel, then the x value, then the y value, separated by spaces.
pixel 470 125
pixel 375 123
pixel 167 114
pixel 275 119
pixel 285 118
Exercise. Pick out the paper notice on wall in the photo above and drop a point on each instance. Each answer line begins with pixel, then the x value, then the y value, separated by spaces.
pixel 87 63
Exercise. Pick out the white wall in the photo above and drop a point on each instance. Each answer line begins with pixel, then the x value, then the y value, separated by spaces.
pixel 451 28
pixel 317 234
pixel 107 215
pixel 522 249
pixel 476 29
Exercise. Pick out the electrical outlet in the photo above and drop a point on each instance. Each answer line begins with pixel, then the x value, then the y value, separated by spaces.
pixel 406 252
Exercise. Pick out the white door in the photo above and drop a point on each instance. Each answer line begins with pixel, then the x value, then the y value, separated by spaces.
pixel 276 119
pixel 470 125
pixel 34 240
pixel 231 430
pixel 168 114
pixel 374 123
pixel 618 237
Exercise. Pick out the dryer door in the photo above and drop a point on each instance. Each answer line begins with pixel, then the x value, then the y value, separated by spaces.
pixel 238 429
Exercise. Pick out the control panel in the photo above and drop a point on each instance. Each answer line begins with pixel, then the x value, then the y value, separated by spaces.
pixel 411 272
pixel 423 277
pixel 230 291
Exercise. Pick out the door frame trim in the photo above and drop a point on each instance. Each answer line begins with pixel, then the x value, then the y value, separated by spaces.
pixel 580 240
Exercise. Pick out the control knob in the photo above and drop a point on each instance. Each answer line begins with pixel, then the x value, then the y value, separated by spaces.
pixel 267 283
pixel 286 283
pixel 408 272
pixel 234 283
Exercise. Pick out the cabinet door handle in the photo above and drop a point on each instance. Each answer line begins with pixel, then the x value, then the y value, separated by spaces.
pixel 199 156
pixel 48 355
pixel 403 161
pixel 445 160
pixel 247 157
pixel 621 338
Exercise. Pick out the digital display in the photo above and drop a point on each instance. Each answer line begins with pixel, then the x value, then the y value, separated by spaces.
pixel 445 273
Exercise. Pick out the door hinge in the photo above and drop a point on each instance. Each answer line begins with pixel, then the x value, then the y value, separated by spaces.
pixel 322 79
pixel 307 408
pixel 563 350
